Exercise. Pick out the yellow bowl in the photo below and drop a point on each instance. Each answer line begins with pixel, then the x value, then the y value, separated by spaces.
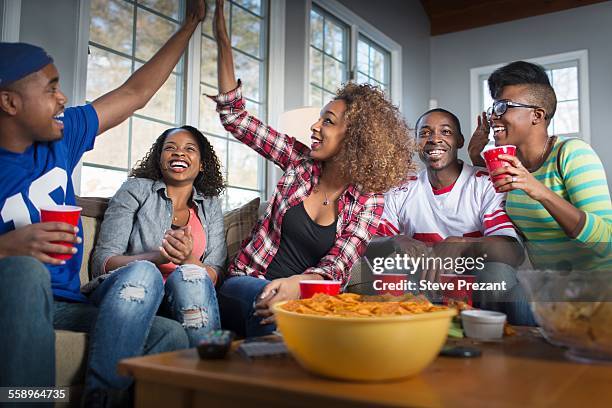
pixel 364 349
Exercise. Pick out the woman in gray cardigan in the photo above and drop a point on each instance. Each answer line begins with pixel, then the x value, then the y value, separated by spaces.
pixel 167 218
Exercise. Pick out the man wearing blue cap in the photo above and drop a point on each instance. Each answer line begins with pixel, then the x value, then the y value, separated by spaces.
pixel 41 142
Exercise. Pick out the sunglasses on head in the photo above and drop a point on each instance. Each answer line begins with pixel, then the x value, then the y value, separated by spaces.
pixel 500 107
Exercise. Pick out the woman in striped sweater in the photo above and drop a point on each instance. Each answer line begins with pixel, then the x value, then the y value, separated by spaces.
pixel 558 195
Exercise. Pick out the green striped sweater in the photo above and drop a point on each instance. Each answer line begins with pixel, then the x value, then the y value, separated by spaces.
pixel 583 183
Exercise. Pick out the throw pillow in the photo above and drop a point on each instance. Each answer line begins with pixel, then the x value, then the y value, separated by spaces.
pixel 238 225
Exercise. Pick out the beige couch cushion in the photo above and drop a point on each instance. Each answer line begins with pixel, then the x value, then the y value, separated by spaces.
pixel 71 347
pixel 92 215
pixel 70 357
pixel 91 227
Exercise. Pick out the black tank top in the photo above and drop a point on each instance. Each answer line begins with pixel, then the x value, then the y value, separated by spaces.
pixel 303 244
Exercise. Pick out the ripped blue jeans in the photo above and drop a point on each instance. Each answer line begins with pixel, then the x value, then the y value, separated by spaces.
pixel 127 303
pixel 190 299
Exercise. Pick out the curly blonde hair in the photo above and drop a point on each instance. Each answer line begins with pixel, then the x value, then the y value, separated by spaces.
pixel 377 147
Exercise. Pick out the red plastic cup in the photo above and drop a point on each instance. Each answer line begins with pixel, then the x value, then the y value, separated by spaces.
pixel 61 213
pixel 493 161
pixel 395 284
pixel 463 294
pixel 308 288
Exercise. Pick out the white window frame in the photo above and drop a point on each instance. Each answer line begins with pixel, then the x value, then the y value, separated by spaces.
pixel 386 55
pixel 582 56
pixel 356 25
pixel 11 18
pixel 276 89
pixel 80 77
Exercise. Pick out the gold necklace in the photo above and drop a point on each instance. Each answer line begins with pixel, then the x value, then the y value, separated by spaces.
pixel 175 217
pixel 540 160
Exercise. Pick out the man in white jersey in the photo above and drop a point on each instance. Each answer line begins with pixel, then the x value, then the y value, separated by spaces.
pixel 452 207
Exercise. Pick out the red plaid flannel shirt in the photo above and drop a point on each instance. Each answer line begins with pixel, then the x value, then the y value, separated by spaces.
pixel 358 214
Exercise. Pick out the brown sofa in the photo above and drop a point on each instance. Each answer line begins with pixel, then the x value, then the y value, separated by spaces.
pixel 71 347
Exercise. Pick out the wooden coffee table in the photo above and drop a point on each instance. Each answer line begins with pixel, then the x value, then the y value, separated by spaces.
pixel 522 370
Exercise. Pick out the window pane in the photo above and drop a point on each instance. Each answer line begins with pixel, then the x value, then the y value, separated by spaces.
pixel 111 24
pixel 327 97
pixel 209 118
pixel 565 83
pixel 316 30
pixel 255 109
pixel 566 118
pixel 169 8
pixel 362 78
pixel 242 166
pixel 252 5
pixel 316 67
pixel 378 84
pixel 363 58
pixel 151 33
pixel 163 104
pixel 144 133
pixel 105 72
pixel 208 68
pixel 316 96
pixel 207 23
pixel 334 40
pixel 377 69
pixel 237 197
pixel 334 74
pixel 247 69
pixel 220 146
pixel 111 147
pixel 245 31
pixel 97 182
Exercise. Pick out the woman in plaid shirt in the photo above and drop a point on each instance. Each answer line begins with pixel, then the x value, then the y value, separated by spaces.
pixel 328 202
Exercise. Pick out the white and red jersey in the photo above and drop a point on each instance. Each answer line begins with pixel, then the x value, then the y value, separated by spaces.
pixel 470 207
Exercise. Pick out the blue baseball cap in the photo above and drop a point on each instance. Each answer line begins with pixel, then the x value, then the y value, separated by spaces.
pixel 18 60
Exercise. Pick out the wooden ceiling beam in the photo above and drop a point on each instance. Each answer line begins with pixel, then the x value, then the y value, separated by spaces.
pixel 448 16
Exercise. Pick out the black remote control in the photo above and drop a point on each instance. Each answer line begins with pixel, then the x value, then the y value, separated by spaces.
pixel 460 352
pixel 215 344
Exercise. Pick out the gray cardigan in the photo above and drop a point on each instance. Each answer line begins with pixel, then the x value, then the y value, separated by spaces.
pixel 138 216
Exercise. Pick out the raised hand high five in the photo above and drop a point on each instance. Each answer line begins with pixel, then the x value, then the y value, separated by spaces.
pixel 225 60
pixel 219 24
pixel 196 11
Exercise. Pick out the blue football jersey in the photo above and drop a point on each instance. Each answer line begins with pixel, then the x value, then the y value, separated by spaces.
pixel 41 176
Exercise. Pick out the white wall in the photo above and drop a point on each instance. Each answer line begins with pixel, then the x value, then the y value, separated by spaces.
pixel 590 27
pixel 295 53
pixel 53 25
pixel 9 20
pixel 1 14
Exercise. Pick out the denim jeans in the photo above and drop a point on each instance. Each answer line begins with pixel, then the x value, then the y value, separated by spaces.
pixel 190 299
pixel 237 299
pixel 121 323
pixel 513 301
